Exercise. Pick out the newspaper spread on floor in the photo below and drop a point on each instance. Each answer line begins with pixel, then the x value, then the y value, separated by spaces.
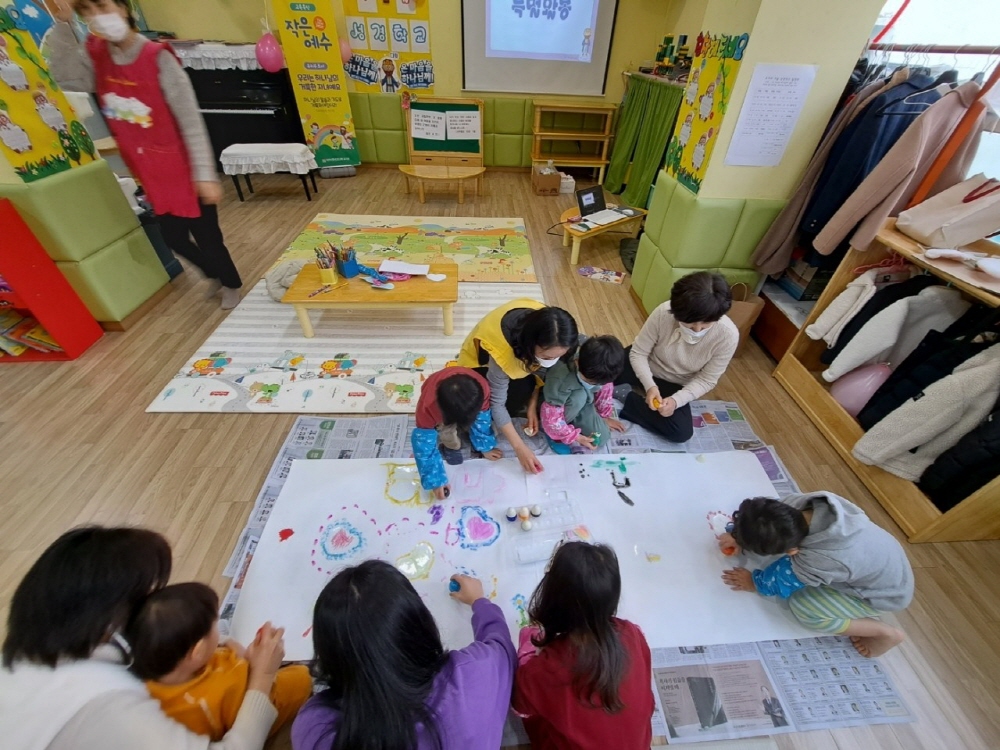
pixel 770 687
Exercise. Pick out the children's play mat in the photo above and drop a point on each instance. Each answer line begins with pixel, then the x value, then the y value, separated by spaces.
pixel 365 361
pixel 492 249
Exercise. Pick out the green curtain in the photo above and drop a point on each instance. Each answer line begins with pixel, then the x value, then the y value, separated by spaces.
pixel 645 125
pixel 629 121
pixel 654 135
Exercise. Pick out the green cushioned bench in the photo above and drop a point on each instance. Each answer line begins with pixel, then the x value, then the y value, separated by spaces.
pixel 686 233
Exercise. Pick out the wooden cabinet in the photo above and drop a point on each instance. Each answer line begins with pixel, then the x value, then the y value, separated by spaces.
pixel 572 135
pixel 976 517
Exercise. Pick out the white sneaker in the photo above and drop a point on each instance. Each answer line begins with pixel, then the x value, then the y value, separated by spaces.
pixel 230 298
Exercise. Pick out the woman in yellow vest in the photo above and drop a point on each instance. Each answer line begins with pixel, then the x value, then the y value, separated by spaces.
pixel 513 346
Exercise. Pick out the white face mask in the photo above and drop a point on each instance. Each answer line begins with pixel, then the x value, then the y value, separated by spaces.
pixel 547 362
pixel 109 26
pixel 691 336
pixel 585 384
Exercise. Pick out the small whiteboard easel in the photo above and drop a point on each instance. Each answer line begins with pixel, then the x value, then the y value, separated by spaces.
pixel 449 152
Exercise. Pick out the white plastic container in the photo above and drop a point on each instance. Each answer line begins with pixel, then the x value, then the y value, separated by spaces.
pixel 566 184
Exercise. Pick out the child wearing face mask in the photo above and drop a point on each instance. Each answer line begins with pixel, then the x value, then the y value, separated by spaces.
pixel 150 107
pixel 679 355
pixel 577 409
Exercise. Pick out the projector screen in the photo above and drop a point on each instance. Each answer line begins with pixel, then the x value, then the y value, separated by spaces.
pixel 537 46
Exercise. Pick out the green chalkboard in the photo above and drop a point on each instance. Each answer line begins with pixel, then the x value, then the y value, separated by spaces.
pixel 449 145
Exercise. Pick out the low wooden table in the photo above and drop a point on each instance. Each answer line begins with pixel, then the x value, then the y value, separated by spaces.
pixel 570 232
pixel 421 172
pixel 419 291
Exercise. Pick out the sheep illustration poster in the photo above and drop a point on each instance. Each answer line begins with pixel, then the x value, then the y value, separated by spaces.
pixel 311 47
pixel 706 99
pixel 39 133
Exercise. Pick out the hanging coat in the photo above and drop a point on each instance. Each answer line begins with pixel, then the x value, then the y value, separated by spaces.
pixel 964 469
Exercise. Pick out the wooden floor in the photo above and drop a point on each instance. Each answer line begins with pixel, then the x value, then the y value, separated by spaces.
pixel 78 447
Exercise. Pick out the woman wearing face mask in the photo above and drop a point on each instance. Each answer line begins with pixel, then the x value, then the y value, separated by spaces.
pixel 679 355
pixel 151 110
pixel 513 346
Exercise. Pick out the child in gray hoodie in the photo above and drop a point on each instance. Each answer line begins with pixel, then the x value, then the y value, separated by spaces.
pixel 837 569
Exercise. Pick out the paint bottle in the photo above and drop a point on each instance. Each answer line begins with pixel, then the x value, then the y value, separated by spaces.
pixel 454 586
pixel 511 514
pixel 526 525
pixel 524 513
pixel 536 511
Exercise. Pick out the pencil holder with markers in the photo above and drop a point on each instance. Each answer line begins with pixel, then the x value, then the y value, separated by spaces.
pixel 348 268
pixel 328 275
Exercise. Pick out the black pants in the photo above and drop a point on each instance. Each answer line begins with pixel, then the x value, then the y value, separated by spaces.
pixel 676 428
pixel 208 251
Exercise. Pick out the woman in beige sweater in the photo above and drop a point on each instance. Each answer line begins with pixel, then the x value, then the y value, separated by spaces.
pixel 65 684
pixel 679 355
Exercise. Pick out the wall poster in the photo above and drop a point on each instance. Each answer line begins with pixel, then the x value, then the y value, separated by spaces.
pixel 391 43
pixel 706 97
pixel 39 132
pixel 312 52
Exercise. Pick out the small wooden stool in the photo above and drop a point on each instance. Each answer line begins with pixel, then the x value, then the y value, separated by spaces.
pixel 269 158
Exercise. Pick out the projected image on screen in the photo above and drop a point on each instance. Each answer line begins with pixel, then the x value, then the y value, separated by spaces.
pixel 541 29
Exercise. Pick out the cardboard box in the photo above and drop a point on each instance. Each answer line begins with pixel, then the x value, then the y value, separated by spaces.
pixel 566 184
pixel 545 184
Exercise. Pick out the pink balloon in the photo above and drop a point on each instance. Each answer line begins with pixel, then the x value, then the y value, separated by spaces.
pixel 855 389
pixel 269 53
pixel 345 51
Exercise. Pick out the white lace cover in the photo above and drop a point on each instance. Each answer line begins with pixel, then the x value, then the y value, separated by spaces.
pixel 219 57
pixel 267 158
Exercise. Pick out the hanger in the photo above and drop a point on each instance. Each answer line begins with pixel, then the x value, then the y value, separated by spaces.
pixel 947 78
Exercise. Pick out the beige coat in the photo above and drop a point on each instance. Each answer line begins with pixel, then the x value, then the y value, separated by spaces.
pixel 890 186
pixel 909 440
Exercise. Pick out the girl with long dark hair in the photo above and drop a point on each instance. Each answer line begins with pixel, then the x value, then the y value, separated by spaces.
pixel 584 679
pixel 513 347
pixel 391 684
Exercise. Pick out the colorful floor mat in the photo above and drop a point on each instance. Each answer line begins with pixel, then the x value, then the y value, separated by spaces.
pixel 485 249
pixel 364 361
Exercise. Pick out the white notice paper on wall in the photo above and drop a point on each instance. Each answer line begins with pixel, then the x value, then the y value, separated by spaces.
pixel 464 125
pixel 430 125
pixel 770 112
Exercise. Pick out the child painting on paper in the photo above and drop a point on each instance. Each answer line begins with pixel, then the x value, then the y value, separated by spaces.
pixel 198 681
pixel 837 569
pixel 577 410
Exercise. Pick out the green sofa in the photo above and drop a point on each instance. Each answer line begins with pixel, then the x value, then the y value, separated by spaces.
pixel 381 130
pixel 85 224
pixel 686 233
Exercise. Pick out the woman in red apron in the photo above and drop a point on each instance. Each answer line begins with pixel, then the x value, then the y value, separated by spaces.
pixel 151 110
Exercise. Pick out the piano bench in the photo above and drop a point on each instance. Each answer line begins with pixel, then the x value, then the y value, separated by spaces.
pixel 269 158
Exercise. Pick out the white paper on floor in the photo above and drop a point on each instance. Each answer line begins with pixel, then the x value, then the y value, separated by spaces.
pixel 332 514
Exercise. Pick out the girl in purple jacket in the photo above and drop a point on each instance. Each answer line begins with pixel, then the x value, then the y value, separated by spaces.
pixel 391 684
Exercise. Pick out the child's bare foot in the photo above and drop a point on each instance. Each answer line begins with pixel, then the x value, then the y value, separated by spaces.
pixel 876 645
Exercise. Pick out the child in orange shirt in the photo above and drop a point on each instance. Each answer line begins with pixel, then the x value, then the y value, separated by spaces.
pixel 175 648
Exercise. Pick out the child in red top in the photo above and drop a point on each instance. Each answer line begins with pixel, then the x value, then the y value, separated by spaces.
pixel 452 401
pixel 152 112
pixel 585 677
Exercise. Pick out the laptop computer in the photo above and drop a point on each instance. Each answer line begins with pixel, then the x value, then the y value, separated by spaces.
pixel 593 209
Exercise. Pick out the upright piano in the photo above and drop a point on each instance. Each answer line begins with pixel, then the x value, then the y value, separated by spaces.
pixel 247 106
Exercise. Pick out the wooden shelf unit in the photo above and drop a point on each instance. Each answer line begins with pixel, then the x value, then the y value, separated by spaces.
pixel 40 289
pixel 975 518
pixel 600 135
